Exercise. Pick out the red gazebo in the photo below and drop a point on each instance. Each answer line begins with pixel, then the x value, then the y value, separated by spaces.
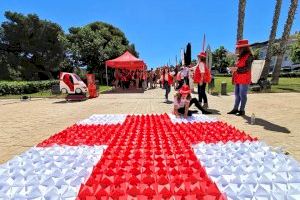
pixel 125 61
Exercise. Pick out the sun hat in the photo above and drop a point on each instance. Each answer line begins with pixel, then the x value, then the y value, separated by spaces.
pixel 242 43
pixel 202 54
pixel 185 89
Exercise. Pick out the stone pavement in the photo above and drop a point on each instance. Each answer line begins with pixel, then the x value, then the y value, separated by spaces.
pixel 25 124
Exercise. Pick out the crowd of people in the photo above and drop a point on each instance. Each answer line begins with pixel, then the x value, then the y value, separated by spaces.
pixel 183 79
pixel 138 79
pixel 241 78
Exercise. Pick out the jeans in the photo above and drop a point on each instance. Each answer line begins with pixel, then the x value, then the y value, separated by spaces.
pixel 167 87
pixel 201 93
pixel 240 92
pixel 193 101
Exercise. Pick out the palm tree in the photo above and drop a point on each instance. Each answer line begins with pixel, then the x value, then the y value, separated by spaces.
pixel 265 71
pixel 284 39
pixel 241 17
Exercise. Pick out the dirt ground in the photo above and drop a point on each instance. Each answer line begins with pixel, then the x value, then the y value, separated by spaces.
pixel 25 124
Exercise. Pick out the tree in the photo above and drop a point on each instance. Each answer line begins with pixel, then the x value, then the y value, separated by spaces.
pixel 93 44
pixel 241 17
pixel 221 60
pixel 295 50
pixel 272 37
pixel 256 53
pixel 284 39
pixel 188 54
pixel 31 45
pixel 131 49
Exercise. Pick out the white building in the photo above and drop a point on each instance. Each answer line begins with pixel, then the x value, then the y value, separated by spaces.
pixel 286 63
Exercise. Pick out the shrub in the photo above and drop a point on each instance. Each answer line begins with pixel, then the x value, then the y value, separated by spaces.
pixel 25 87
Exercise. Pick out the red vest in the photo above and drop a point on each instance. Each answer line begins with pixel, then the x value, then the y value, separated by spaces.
pixel 244 78
pixel 197 75
pixel 170 79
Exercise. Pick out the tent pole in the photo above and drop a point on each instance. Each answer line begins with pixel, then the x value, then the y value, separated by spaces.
pixel 106 75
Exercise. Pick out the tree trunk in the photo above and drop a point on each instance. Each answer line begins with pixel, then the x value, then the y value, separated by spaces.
pixel 284 39
pixel 272 37
pixel 241 17
pixel 276 71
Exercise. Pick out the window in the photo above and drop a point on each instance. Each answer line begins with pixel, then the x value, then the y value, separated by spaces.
pixel 77 77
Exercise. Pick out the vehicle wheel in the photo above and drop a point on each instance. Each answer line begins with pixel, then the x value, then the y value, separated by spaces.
pixel 64 91
pixel 78 91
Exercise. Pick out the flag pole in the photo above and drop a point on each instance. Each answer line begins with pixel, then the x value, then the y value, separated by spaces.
pixel 203 43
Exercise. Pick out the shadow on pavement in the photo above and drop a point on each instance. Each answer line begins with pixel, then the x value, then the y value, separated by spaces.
pixel 214 111
pixel 267 125
pixel 168 102
pixel 122 91
pixel 64 101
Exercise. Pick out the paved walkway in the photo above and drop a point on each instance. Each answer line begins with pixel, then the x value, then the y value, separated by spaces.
pixel 25 124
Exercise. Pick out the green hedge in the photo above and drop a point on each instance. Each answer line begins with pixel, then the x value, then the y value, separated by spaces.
pixel 25 87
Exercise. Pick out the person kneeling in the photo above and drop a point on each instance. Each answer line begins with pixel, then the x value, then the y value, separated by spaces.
pixel 183 101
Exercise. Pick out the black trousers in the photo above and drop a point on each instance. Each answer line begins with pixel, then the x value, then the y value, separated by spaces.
pixel 201 93
pixel 193 101
pixel 187 81
pixel 167 87
pixel 180 84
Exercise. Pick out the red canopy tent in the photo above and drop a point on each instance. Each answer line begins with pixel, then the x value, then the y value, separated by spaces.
pixel 125 61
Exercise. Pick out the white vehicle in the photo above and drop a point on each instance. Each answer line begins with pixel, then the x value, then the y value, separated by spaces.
pixel 71 83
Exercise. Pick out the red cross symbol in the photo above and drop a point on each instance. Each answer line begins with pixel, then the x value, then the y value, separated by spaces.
pixel 148 157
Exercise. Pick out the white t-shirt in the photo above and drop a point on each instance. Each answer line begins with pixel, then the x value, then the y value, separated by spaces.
pixel 166 78
pixel 202 67
pixel 184 72
pixel 180 104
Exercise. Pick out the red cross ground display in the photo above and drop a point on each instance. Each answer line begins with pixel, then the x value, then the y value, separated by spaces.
pixel 150 157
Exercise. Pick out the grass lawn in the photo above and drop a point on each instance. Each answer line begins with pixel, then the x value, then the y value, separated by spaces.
pixel 285 85
pixel 47 94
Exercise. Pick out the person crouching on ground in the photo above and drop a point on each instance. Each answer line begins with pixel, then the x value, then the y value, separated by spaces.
pixel 183 101
pixel 241 77
pixel 202 77
pixel 167 81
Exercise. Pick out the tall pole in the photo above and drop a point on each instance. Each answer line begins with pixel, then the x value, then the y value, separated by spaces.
pixel 203 43
pixel 106 75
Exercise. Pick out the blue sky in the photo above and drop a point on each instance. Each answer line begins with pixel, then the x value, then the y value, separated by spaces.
pixel 160 28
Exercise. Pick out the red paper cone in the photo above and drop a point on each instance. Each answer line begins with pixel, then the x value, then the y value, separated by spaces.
pixel 149 192
pixel 134 192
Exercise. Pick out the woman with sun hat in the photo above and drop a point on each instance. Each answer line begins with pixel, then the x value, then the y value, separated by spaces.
pixel 183 101
pixel 241 77
pixel 202 77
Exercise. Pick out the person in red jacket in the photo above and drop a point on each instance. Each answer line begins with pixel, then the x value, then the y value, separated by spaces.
pixel 202 77
pixel 241 77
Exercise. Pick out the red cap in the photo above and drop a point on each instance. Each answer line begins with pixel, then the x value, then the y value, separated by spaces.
pixel 185 89
pixel 242 43
pixel 202 54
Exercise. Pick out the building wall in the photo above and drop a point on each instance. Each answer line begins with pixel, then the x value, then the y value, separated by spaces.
pixel 287 62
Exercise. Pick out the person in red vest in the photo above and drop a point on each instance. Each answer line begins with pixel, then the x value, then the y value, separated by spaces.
pixel 202 77
pixel 167 81
pixel 241 77
pixel 183 101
